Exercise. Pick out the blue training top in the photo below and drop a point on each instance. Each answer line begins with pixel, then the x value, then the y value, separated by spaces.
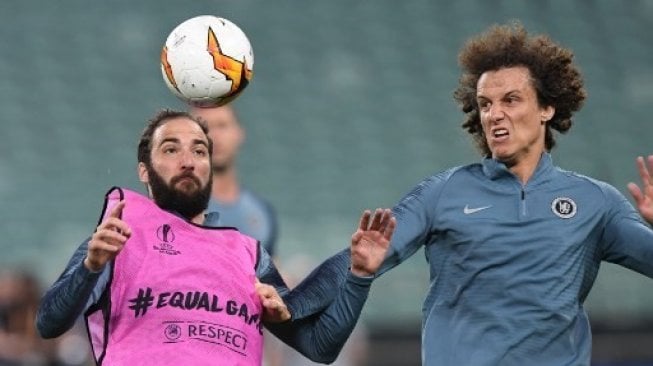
pixel 510 264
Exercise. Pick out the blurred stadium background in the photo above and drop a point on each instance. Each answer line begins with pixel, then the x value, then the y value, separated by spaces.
pixel 351 105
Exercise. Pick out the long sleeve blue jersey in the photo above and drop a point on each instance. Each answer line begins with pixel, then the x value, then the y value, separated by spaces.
pixel 510 264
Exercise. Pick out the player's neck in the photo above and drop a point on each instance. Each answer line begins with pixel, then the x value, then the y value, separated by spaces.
pixel 525 167
pixel 226 187
pixel 199 219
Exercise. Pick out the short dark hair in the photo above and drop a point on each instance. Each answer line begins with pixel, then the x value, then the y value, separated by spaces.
pixel 163 116
pixel 557 81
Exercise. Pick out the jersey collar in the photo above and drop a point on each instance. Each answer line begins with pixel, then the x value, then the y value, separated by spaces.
pixel 211 218
pixel 495 169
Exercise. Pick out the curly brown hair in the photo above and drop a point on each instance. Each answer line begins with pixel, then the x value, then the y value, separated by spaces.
pixel 557 81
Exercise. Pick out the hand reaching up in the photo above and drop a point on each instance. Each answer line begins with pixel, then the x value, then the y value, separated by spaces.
pixel 108 239
pixel 644 196
pixel 371 241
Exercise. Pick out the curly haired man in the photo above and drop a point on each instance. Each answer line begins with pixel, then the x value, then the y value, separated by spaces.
pixel 513 242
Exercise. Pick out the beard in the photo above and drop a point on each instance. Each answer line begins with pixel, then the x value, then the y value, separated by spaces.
pixel 188 203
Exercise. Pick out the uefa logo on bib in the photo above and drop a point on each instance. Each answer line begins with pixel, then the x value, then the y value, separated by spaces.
pixel 166 236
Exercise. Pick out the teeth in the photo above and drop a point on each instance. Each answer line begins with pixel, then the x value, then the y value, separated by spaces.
pixel 500 132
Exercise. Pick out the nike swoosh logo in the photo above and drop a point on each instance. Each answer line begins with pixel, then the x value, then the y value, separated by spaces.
pixel 469 210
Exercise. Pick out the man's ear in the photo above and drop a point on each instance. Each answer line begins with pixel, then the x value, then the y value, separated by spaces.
pixel 240 135
pixel 143 175
pixel 548 113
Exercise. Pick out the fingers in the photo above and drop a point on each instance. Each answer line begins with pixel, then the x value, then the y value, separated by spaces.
pixel 365 220
pixel 110 236
pixel 647 180
pixel 386 215
pixel 643 170
pixel 112 231
pixel 263 290
pixel 108 240
pixel 275 309
pixel 116 211
pixel 266 293
pixel 390 228
pixel 650 173
pixel 105 246
pixel 377 219
pixel 279 311
pixel 275 305
pixel 115 224
pixel 380 221
pixel 637 194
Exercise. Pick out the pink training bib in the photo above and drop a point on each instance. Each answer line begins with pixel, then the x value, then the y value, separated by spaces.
pixel 179 293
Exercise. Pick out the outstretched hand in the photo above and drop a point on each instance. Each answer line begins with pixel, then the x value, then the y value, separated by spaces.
pixel 644 196
pixel 108 239
pixel 371 241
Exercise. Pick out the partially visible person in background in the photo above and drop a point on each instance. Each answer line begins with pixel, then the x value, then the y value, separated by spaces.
pixel 19 344
pixel 236 205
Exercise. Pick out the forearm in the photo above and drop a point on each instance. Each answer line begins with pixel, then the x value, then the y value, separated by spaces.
pixel 316 292
pixel 627 240
pixel 320 337
pixel 634 247
pixel 67 299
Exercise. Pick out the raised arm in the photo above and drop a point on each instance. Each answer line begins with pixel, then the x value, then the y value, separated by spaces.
pixel 414 221
pixel 84 279
pixel 627 236
pixel 68 297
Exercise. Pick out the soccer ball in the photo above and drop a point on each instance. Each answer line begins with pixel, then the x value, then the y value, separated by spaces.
pixel 207 61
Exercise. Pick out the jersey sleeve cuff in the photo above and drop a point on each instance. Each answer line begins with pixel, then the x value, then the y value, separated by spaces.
pixel 360 280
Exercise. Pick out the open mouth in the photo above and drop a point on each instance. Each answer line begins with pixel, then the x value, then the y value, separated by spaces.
pixel 500 134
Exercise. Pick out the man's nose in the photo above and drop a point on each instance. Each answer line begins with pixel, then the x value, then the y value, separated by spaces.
pixel 496 112
pixel 187 160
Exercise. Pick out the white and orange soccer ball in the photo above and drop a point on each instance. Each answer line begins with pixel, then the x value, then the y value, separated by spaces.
pixel 207 61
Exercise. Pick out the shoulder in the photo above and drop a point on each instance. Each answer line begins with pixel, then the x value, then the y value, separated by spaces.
pixel 429 190
pixel 588 184
pixel 604 197
pixel 248 196
pixel 440 180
